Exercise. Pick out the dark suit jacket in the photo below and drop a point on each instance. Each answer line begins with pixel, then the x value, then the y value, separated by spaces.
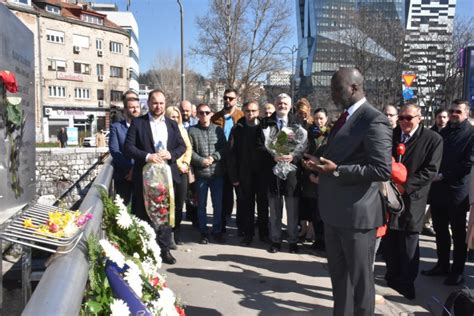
pixel 456 163
pixel 139 143
pixel 362 150
pixel 122 165
pixel 422 159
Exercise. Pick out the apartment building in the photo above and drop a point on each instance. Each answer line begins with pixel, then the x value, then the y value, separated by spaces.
pixel 81 65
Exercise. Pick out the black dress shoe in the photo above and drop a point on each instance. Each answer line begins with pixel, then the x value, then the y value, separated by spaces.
pixel 408 291
pixel 274 248
pixel 293 248
pixel 454 279
pixel 247 240
pixel 204 239
pixel 435 271
pixel 167 258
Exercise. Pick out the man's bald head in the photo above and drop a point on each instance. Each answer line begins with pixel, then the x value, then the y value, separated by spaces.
pixel 186 109
pixel 347 86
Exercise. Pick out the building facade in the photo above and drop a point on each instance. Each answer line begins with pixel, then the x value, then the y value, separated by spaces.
pixel 81 65
pixel 126 21
pixel 428 49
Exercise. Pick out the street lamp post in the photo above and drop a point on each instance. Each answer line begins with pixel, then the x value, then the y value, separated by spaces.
pixel 183 95
pixel 293 50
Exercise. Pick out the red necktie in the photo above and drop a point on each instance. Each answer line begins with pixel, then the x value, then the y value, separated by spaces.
pixel 340 122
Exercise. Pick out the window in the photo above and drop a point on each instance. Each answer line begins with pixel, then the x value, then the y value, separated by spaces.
pixel 116 47
pixel 98 43
pixel 100 70
pixel 92 19
pixel 55 36
pixel 115 96
pixel 53 9
pixel 82 93
pixel 55 64
pixel 80 41
pixel 80 68
pixel 57 91
pixel 116 72
pixel 100 94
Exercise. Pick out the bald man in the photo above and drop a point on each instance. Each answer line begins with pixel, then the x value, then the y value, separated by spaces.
pixel 356 159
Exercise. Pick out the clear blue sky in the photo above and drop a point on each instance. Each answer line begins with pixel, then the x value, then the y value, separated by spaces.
pixel 159 27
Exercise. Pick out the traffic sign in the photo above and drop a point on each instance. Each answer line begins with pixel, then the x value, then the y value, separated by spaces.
pixel 408 79
pixel 408 94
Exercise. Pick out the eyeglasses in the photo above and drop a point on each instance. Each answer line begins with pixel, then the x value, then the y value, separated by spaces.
pixel 406 118
pixel 204 112
pixel 228 98
pixel 455 111
pixel 390 115
pixel 250 111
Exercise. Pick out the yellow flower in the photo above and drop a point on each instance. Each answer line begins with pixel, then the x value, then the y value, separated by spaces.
pixel 28 223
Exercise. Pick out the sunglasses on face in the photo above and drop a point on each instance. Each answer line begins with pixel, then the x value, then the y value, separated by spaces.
pixel 455 111
pixel 228 98
pixel 406 118
pixel 204 112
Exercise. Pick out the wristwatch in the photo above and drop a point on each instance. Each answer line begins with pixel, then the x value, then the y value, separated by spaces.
pixel 336 172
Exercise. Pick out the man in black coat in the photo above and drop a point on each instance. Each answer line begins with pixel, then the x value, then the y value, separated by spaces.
pixel 449 194
pixel 422 159
pixel 153 138
pixel 245 174
pixel 278 189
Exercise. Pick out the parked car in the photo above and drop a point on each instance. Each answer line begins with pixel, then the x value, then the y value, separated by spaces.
pixel 90 141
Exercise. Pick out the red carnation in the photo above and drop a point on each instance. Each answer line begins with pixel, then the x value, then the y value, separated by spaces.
pixel 163 211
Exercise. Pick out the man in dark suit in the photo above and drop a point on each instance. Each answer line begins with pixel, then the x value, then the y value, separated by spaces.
pixel 118 133
pixel 423 151
pixel 449 195
pixel 154 138
pixel 357 157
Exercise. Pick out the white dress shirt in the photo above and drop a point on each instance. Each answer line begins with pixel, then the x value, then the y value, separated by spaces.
pixel 355 107
pixel 159 131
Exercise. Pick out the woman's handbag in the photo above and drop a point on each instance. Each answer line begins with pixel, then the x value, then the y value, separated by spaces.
pixel 392 197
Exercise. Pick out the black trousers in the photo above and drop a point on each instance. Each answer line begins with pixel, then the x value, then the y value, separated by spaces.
pixel 180 193
pixel 124 188
pixel 454 216
pixel 248 193
pixel 227 201
pixel 402 256
pixel 350 254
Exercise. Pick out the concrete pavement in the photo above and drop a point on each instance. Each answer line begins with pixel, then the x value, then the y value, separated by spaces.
pixel 229 279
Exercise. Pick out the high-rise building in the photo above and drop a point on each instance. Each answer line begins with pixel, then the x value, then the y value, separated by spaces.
pixel 81 65
pixel 428 48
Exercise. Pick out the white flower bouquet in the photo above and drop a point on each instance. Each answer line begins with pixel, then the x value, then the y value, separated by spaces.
pixel 289 140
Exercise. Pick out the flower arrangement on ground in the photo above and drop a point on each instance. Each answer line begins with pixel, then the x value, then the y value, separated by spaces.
pixel 124 273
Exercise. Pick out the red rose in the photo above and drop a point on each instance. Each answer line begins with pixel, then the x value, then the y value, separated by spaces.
pixel 163 211
pixel 155 281
pixel 9 81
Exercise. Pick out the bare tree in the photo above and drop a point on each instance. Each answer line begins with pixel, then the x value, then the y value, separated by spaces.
pixel 165 74
pixel 243 38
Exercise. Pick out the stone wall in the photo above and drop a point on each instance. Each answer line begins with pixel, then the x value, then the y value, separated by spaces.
pixel 57 169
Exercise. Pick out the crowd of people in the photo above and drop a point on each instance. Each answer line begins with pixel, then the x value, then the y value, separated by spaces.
pixel 332 198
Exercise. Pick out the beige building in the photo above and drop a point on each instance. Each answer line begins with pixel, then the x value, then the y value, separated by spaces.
pixel 82 65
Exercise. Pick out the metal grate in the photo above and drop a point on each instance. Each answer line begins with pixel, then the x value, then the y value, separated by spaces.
pixel 27 236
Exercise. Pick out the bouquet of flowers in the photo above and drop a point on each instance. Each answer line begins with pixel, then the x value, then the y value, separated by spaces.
pixel 288 141
pixel 60 224
pixel 158 193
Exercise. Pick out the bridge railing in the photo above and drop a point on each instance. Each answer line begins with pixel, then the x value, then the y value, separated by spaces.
pixel 62 285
